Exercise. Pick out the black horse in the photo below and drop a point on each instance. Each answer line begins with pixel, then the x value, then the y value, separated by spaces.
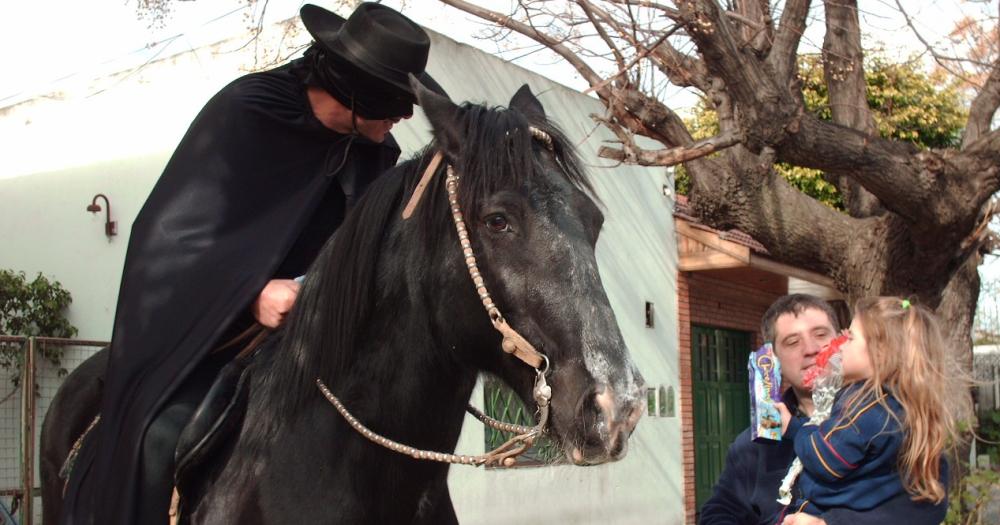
pixel 389 318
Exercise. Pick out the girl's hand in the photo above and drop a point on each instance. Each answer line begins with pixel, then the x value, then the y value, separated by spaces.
pixel 801 518
pixel 786 416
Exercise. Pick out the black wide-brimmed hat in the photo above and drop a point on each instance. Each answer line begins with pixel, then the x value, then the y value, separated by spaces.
pixel 376 39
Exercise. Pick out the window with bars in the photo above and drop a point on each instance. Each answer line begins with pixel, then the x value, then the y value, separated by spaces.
pixel 500 402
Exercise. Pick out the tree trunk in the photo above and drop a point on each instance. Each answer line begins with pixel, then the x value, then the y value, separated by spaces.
pixel 843 70
pixel 917 219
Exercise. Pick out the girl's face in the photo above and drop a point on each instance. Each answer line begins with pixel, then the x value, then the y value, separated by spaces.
pixel 857 363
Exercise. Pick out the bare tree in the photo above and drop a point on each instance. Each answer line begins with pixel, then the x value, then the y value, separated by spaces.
pixel 916 221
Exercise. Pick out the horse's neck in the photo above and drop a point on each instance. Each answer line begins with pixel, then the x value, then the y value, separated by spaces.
pixel 404 386
pixel 399 388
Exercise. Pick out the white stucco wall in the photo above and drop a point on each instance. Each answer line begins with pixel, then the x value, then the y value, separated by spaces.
pixel 58 151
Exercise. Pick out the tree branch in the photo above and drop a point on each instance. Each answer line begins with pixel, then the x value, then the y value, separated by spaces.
pixel 671 156
pixel 982 158
pixel 619 59
pixel 668 11
pixel 753 24
pixel 843 67
pixel 762 108
pixel 639 113
pixel 769 209
pixel 931 190
pixel 758 30
pixel 941 60
pixel 721 49
pixel 786 43
pixel 652 118
pixel 844 73
pixel 552 43
pixel 983 107
pixel 643 53
pixel 680 69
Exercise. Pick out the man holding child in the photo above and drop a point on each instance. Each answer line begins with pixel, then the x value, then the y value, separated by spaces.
pixel 798 326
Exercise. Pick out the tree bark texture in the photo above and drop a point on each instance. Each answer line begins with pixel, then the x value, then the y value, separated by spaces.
pixel 916 219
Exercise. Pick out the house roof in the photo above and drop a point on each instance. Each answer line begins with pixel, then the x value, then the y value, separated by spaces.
pixel 682 210
pixel 701 247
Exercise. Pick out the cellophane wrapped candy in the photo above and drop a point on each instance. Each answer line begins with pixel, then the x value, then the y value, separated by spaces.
pixel 824 380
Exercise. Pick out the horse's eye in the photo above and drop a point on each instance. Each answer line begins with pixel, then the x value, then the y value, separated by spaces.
pixel 497 223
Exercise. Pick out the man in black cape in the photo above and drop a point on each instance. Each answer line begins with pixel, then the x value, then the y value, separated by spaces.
pixel 261 179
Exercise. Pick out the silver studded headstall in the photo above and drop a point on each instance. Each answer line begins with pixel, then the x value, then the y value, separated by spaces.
pixel 512 343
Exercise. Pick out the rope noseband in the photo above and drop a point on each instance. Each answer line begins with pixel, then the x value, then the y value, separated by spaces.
pixel 513 343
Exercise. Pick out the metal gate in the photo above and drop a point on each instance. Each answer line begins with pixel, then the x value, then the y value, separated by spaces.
pixel 721 400
pixel 22 412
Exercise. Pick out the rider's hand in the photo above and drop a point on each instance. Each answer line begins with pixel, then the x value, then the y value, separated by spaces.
pixel 274 302
pixel 801 518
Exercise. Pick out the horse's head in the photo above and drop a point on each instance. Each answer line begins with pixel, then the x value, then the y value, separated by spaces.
pixel 534 227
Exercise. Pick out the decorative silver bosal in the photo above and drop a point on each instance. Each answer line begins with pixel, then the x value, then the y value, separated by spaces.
pixel 513 343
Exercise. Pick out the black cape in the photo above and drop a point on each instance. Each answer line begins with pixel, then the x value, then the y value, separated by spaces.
pixel 250 194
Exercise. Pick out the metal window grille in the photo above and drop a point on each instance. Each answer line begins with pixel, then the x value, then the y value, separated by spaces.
pixel 502 403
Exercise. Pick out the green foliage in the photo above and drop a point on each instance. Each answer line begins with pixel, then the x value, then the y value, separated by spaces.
pixel 986 324
pixel 907 104
pixel 967 500
pixel 812 183
pixel 988 436
pixel 32 308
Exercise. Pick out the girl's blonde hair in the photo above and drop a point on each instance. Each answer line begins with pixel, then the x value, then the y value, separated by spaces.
pixel 910 358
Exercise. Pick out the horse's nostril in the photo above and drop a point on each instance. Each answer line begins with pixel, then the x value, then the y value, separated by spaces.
pixel 638 410
pixel 619 446
pixel 605 419
pixel 588 408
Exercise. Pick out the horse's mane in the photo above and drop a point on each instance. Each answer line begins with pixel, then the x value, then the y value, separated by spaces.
pixel 322 333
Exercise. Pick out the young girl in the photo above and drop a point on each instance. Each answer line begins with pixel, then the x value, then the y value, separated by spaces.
pixel 891 421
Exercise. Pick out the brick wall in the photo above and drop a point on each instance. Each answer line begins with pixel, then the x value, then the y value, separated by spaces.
pixel 710 301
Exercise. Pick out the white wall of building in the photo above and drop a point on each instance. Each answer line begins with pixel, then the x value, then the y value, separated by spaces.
pixel 60 150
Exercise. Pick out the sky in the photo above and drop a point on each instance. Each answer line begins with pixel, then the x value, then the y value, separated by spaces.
pixel 42 44
pixel 83 38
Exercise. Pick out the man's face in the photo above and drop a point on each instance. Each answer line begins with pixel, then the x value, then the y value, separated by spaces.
pixel 375 130
pixel 797 340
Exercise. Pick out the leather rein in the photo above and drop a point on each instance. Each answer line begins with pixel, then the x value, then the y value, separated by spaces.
pixel 513 343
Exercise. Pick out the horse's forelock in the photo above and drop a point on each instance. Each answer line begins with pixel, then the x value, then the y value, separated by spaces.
pixel 500 152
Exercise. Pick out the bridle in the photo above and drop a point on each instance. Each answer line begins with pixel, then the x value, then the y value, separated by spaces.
pixel 513 343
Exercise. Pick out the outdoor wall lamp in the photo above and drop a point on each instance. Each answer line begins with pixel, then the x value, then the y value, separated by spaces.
pixel 110 226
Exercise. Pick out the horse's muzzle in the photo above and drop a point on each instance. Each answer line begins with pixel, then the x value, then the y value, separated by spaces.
pixel 607 419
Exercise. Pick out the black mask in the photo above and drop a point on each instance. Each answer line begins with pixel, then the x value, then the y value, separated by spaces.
pixel 367 96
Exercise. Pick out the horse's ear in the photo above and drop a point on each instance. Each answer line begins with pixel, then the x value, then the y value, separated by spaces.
pixel 443 114
pixel 526 102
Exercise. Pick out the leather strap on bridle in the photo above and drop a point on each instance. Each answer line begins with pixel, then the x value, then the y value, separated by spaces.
pixel 513 342
pixel 422 185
